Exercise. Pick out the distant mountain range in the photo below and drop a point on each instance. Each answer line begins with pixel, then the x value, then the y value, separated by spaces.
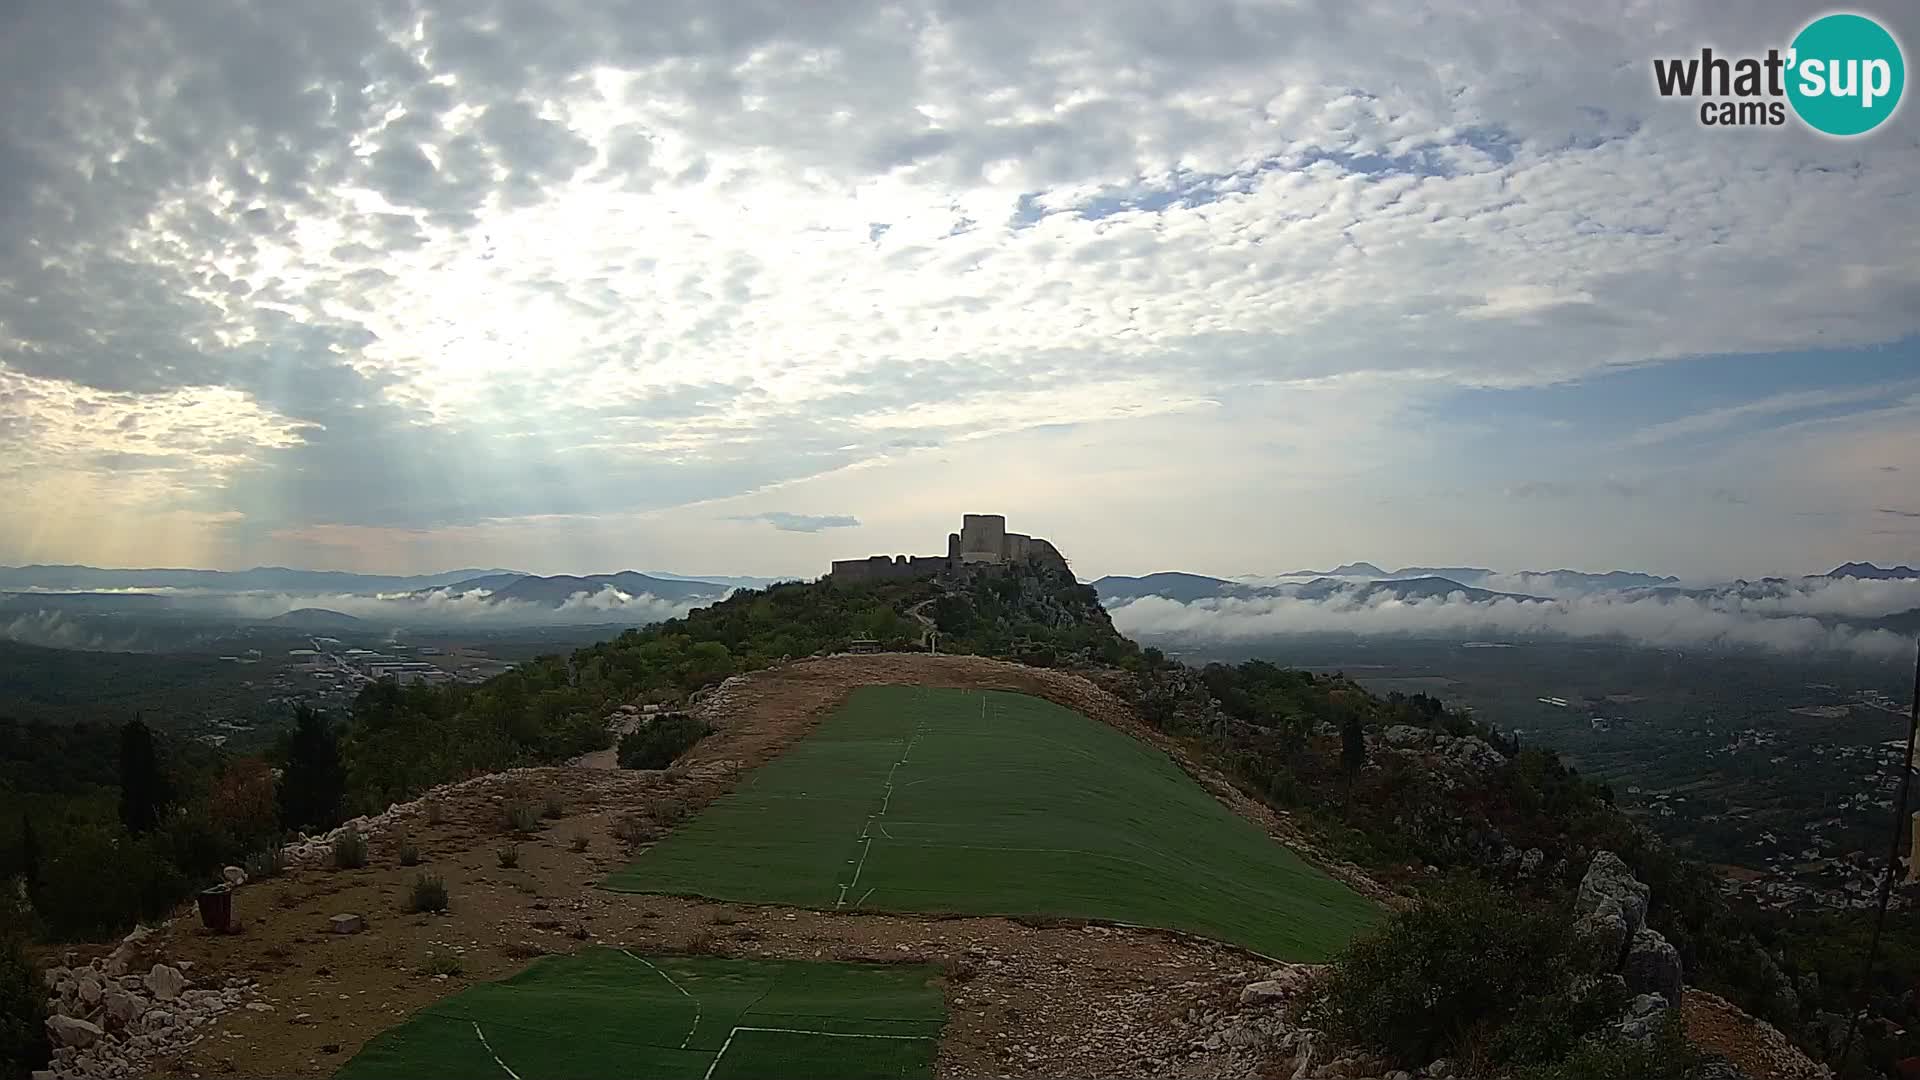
pixel 1545 580
pixel 1868 570
pixel 258 579
pixel 557 590
pixel 1186 588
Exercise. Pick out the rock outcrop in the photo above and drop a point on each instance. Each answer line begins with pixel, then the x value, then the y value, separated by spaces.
pixel 107 1019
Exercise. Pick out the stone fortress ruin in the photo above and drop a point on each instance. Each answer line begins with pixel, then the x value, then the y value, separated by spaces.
pixel 983 543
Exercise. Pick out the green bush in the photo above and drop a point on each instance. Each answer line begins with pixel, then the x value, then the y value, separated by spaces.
pixel 409 853
pixel 97 881
pixel 508 856
pixel 23 1010
pixel 349 851
pixel 553 805
pixel 429 894
pixel 1467 968
pixel 439 963
pixel 1667 1057
pixel 661 743
pixel 523 818
pixel 266 864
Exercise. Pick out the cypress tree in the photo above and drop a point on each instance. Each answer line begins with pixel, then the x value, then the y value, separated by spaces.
pixel 313 786
pixel 143 792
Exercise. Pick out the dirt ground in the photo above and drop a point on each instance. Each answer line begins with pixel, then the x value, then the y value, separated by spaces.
pixel 1026 998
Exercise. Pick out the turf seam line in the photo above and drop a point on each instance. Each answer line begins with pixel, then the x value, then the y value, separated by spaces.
pixel 490 1053
pixel 802 1031
pixel 866 831
pixel 683 991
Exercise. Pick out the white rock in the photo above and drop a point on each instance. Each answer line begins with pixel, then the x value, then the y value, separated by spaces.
pixel 346 923
pixel 165 982
pixel 67 1031
pixel 124 1008
pixel 234 876
pixel 89 988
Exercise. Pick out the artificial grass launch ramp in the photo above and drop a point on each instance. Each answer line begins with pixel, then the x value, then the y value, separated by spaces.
pixel 607 1013
pixel 991 803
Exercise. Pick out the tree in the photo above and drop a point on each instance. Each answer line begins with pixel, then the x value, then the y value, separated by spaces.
pixel 29 854
pixel 23 1009
pixel 1353 743
pixel 243 803
pixel 143 790
pixel 314 785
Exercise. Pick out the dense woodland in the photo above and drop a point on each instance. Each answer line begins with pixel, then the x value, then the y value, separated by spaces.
pixel 117 821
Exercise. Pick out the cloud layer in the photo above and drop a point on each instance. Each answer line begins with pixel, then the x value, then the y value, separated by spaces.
pixel 1723 621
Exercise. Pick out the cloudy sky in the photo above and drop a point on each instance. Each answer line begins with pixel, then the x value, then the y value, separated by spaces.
pixel 403 285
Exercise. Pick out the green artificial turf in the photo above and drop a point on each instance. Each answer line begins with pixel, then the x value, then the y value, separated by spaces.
pixel 606 1013
pixel 972 802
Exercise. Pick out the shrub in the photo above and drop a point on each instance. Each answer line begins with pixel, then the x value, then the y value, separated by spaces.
pixel 509 856
pixel 349 851
pixel 23 1011
pixel 578 843
pixel 435 813
pixel 703 943
pixel 409 853
pixel 958 969
pixel 439 963
pixel 268 863
pixel 667 810
pixel 523 817
pixel 661 743
pixel 553 806
pixel 429 894
pixel 634 829
pixel 1667 1057
pixel 1466 967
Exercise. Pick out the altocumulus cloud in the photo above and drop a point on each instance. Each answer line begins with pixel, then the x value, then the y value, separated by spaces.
pixel 807 523
pixel 414 264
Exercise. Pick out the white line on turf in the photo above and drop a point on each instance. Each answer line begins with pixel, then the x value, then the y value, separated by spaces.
pixel 491 1054
pixel 866 830
pixel 800 1031
pixel 676 986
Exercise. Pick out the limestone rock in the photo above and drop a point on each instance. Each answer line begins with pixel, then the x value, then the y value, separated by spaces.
pixel 234 876
pixel 1264 992
pixel 1601 935
pixel 1404 735
pixel 346 923
pixel 165 982
pixel 1608 878
pixel 88 988
pixel 1643 1018
pixel 1652 966
pixel 68 1031
pixel 123 1008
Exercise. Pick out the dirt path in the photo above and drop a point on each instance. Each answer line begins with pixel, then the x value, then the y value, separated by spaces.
pixel 1027 998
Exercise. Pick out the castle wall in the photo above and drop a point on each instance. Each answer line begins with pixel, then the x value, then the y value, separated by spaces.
pixel 886 568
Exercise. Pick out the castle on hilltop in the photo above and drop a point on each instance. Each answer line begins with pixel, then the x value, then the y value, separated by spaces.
pixel 983 542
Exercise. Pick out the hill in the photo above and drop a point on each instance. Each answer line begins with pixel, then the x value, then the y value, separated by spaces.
pixel 317 619
pixel 1869 570
pixel 1170 584
pixel 558 589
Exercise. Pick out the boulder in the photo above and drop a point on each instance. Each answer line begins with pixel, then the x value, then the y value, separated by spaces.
pixel 88 988
pixel 68 1031
pixel 1404 735
pixel 165 982
pixel 1264 992
pixel 234 876
pixel 1608 878
pixel 1601 937
pixel 123 1008
pixel 1643 1018
pixel 346 923
pixel 1652 966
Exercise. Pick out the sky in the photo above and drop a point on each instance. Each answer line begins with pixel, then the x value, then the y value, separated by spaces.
pixel 1233 288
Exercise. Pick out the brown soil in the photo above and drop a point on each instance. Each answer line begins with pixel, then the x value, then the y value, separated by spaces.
pixel 1026 999
pixel 1758 1049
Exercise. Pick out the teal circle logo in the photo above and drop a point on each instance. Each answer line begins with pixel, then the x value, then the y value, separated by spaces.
pixel 1845 74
